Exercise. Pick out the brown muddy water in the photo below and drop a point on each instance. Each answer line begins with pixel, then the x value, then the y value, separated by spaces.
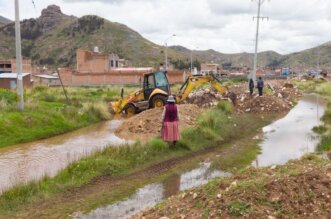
pixel 287 138
pixel 32 161
pixel 291 137
pixel 152 194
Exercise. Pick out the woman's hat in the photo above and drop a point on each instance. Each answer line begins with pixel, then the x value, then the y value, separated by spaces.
pixel 171 99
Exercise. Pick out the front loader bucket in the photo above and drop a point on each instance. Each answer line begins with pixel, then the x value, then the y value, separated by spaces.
pixel 114 107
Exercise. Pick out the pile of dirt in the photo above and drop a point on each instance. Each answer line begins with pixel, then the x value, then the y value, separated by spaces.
pixel 279 96
pixel 264 104
pixel 147 124
pixel 300 189
pixel 204 98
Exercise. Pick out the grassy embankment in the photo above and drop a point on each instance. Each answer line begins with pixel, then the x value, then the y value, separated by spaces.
pixel 299 189
pixel 216 127
pixel 325 130
pixel 47 113
pixel 323 88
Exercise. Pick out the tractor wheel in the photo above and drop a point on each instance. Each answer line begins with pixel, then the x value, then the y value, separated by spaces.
pixel 130 110
pixel 158 101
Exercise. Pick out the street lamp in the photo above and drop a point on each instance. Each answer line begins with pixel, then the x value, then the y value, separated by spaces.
pixel 192 59
pixel 166 51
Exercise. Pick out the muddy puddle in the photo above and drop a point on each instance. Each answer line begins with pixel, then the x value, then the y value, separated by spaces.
pixel 291 137
pixel 151 194
pixel 32 161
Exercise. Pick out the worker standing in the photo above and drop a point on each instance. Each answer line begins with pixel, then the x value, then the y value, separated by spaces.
pixel 251 86
pixel 260 85
pixel 170 121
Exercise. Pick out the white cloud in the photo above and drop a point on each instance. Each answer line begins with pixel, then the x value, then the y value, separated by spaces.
pixel 223 25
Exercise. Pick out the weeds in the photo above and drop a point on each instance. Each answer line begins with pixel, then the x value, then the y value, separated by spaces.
pixel 225 106
pixel 238 208
pixel 49 113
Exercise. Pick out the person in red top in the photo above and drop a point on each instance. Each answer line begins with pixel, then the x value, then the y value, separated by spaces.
pixel 170 121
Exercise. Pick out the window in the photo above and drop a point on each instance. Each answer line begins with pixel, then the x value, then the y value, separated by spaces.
pixel 111 63
pixel 161 80
pixel 150 81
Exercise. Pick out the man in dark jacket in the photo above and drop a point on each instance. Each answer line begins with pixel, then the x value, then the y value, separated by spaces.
pixel 260 86
pixel 251 86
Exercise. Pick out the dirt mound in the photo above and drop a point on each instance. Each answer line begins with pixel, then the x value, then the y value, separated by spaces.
pixel 264 104
pixel 279 96
pixel 301 189
pixel 204 98
pixel 147 124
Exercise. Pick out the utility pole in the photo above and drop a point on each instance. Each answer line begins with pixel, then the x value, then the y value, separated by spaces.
pixel 166 51
pixel 260 2
pixel 318 60
pixel 19 58
pixel 192 59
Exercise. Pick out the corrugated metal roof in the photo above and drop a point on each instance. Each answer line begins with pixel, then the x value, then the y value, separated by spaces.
pixel 12 75
pixel 47 76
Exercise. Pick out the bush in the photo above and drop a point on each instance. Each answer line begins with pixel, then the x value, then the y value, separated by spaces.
pixel 320 129
pixel 225 106
pixel 97 110
pixel 40 89
pixel 158 144
pixel 8 96
pixel 49 98
pixel 325 144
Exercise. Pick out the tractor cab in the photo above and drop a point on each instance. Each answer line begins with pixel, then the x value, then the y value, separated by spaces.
pixel 153 81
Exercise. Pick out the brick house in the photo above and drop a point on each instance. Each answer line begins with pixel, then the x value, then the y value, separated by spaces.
pixel 9 80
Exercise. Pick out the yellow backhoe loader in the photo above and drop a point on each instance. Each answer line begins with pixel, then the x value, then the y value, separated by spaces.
pixel 156 89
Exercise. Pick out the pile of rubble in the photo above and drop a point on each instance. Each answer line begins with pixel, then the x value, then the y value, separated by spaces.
pixel 279 96
pixel 204 97
pixel 147 124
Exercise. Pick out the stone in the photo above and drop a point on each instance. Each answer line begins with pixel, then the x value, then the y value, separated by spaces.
pixel 195 195
pixel 51 17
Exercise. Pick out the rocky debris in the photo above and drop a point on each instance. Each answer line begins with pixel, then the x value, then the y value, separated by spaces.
pixel 258 193
pixel 147 124
pixel 279 97
pixel 264 104
pixel 51 17
pixel 204 97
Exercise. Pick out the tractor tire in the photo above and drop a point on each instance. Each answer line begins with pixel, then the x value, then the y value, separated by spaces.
pixel 130 110
pixel 158 101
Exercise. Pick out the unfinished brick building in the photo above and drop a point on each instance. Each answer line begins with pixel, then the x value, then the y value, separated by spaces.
pixel 95 69
pixel 9 66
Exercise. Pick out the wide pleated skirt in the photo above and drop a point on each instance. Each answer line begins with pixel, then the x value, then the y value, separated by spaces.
pixel 170 131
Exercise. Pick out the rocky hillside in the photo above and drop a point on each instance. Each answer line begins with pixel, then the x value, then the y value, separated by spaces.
pixel 4 21
pixel 53 38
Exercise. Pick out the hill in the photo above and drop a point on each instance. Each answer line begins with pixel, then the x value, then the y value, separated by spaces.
pixel 53 38
pixel 4 21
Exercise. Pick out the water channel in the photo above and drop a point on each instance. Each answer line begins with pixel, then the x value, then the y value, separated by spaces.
pixel 32 161
pixel 288 138
pixel 152 194
pixel 291 137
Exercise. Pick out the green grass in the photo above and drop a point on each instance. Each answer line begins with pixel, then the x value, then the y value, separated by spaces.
pixel 47 112
pixel 324 89
pixel 214 128
pixel 238 208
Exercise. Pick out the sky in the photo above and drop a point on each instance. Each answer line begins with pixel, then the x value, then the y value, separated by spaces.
pixel 226 26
